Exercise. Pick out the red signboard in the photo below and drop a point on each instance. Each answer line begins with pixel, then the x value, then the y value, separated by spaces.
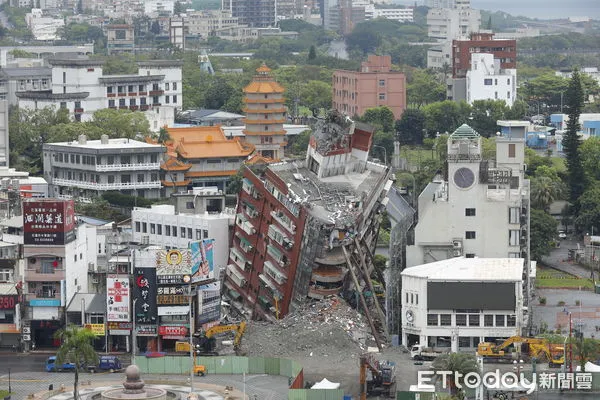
pixel 48 221
pixel 8 302
pixel 172 330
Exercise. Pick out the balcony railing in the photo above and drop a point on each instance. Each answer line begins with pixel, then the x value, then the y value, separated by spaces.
pixel 290 227
pixel 156 92
pixel 43 295
pixel 107 186
pixel 264 121
pixel 127 167
pixel 38 276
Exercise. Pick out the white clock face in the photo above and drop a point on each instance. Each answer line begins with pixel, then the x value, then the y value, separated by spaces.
pixel 410 317
pixel 464 178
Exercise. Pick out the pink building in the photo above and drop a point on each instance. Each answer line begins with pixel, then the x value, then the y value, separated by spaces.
pixel 374 85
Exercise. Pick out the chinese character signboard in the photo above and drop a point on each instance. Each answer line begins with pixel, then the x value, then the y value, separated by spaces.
pixel 117 298
pixel 97 329
pixel 173 262
pixel 119 325
pixel 172 330
pixel 146 311
pixel 8 302
pixel 171 295
pixel 146 330
pixel 202 260
pixel 49 221
pixel 169 279
pixel 209 303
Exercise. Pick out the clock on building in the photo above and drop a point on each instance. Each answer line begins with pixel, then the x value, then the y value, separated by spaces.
pixel 410 317
pixel 464 178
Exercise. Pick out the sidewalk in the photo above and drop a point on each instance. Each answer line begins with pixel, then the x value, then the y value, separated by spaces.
pixel 558 260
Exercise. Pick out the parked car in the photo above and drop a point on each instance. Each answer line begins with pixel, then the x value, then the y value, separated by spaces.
pixel 562 235
pixel 52 367
pixel 106 363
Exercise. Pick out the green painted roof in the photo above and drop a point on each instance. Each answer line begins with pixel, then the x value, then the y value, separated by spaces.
pixel 465 131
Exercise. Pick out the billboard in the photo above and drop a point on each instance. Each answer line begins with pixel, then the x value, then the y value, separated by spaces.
pixel 48 221
pixel 8 301
pixel 97 329
pixel 145 294
pixel 209 304
pixel 117 299
pixel 173 262
pixel 171 295
pixel 471 295
pixel 202 260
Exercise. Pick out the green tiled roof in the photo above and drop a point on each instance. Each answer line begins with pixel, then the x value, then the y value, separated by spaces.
pixel 465 131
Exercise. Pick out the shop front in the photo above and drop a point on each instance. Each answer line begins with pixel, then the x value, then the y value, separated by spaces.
pixel 146 337
pixel 118 336
pixel 9 330
pixel 43 331
pixel 99 331
pixel 171 331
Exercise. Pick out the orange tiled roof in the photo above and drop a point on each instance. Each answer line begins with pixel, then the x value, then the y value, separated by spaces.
pixel 206 142
pixel 173 164
pixel 264 87
pixel 177 183
pixel 263 68
pixel 260 159
pixel 199 174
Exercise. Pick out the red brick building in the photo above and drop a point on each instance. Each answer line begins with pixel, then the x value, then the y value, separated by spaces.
pixel 503 49
pixel 373 86
pixel 293 218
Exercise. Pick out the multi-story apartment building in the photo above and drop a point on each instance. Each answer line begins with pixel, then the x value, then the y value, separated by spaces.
pixel 294 217
pixel 460 302
pixel 201 156
pixel 43 27
pixel 265 114
pixel 338 16
pixel 177 32
pixel 254 13
pixel 487 80
pixel 462 50
pixel 35 79
pixel 205 23
pixel 88 168
pixel 396 14
pixel 8 57
pixel 120 38
pixel 195 215
pixel 11 287
pixel 80 86
pixel 374 85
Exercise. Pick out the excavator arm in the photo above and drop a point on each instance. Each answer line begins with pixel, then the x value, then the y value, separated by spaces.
pixel 365 363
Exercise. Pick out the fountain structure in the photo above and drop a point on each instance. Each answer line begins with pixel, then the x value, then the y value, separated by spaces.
pixel 133 388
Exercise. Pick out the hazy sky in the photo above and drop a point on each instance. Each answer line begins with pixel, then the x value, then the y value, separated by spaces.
pixel 543 8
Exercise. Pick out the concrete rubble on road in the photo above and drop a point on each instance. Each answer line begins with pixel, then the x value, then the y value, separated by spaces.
pixel 327 328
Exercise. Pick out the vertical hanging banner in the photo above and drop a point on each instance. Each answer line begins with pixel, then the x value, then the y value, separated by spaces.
pixel 202 260
pixel 144 291
pixel 117 298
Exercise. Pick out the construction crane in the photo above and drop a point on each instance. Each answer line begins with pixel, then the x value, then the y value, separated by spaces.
pixel 382 379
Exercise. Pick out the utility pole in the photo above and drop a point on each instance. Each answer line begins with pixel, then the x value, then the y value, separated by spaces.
pixel 133 333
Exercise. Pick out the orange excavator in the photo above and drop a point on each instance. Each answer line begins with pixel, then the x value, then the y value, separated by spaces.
pixel 377 377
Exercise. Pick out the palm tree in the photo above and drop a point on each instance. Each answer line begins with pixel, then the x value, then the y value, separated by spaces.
pixel 76 347
pixel 462 363
pixel 544 190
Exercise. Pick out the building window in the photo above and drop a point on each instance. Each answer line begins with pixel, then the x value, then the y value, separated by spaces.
pixel 130 89
pixel 473 319
pixel 511 320
pixel 189 205
pixel 174 85
pixel 190 235
pixel 174 98
pixel 144 227
pixel 512 150
pixel 508 81
pixel 141 88
pixel 487 82
pixel 167 230
pixel 496 81
pixel 416 298
pixel 500 320
pixel 205 234
pixel 496 95
pixel 469 212
pixel 513 215
pixel 513 237
pixel 412 298
pixel 174 231
pixel 167 86
pixel 121 102
pixel 432 320
pixel 137 226
pixel 445 319
pixel 111 179
pixel 121 89
pixel 470 255
pixel 159 229
pixel 167 99
pixel 111 103
pixel 381 96
pixel 143 101
pixel 140 178
pixel 461 319
pixel 198 234
pixel 508 95
pixel 132 102
pixel 183 232
pixel 406 298
pixel 488 320
pixel 514 255
pixel 152 229
pixel 382 82
pixel 470 235
pixel 109 90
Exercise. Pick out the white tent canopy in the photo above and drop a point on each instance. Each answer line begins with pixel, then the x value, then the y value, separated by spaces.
pixel 325 384
pixel 589 367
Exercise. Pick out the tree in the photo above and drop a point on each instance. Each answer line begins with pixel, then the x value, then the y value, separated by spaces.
pixel 571 140
pixel 589 210
pixel 445 116
pixel 299 143
pixel 590 157
pixel 315 95
pixel 544 191
pixel 163 135
pixel 463 363
pixel 485 114
pixel 76 347
pixel 178 8
pixel 381 117
pixel 234 186
pixel 424 87
pixel 312 53
pixel 410 127
pixel 543 232
pixel 155 27
pixel 121 123
pixel 218 93
pixel 584 349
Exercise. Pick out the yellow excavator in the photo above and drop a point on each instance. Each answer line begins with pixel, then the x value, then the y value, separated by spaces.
pixel 500 352
pixel 205 344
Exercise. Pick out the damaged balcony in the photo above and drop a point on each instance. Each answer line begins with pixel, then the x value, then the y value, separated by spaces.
pixel 284 221
pixel 235 275
pixel 320 291
pixel 249 210
pixel 245 245
pixel 242 222
pixel 239 259
pixel 233 294
pixel 269 284
pixel 328 275
pixel 334 256
pixel 280 237
pixel 278 256
pixel 274 273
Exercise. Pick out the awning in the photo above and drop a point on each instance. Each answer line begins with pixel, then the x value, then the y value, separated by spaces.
pixel 8 288
pixel 173 310
pixel 94 303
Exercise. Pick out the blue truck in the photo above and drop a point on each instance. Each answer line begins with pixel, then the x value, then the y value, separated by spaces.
pixel 51 365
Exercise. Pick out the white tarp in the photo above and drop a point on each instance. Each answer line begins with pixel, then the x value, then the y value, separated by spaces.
pixel 589 367
pixel 325 384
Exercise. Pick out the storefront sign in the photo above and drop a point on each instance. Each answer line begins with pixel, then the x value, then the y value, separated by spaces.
pixel 172 330
pixel 120 332
pixel 117 299
pixel 202 260
pixel 177 310
pixel 146 330
pixel 97 329
pixel 173 262
pixel 209 303
pixel 48 221
pixel 145 295
pixel 8 302
pixel 171 295
pixel 119 325
pixel 8 328
pixel 169 279
pixel 44 303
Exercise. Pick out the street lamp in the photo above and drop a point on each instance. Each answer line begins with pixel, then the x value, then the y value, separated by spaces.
pixel 188 279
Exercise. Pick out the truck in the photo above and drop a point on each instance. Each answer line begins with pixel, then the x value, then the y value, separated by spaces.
pixel 51 365
pixel 106 363
pixel 420 352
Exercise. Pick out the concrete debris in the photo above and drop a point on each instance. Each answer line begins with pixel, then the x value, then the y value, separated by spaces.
pixel 327 328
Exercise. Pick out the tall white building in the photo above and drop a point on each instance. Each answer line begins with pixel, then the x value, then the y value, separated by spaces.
pixel 43 27
pixel 396 14
pixel 460 302
pixel 80 86
pixel 486 80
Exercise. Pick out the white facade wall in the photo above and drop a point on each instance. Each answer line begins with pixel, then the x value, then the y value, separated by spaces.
pixel 203 226
pixel 173 78
pixel 486 81
pixel 396 14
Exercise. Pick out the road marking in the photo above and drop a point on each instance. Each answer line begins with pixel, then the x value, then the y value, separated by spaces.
pixel 23 380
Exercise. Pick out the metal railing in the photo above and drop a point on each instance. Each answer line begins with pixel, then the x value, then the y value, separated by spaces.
pixel 107 186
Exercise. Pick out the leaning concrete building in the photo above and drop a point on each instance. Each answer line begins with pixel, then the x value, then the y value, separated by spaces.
pixel 306 229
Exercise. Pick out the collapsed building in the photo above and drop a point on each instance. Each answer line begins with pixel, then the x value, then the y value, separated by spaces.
pixel 307 229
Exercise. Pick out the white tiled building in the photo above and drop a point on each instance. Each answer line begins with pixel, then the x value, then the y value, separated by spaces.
pixel 87 168
pixel 80 86
pixel 396 14
pixel 461 302
pixel 487 81
pixel 43 27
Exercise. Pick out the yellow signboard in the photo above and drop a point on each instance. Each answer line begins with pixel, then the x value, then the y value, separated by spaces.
pixel 97 329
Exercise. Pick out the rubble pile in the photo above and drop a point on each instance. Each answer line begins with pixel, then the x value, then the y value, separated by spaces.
pixel 328 328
